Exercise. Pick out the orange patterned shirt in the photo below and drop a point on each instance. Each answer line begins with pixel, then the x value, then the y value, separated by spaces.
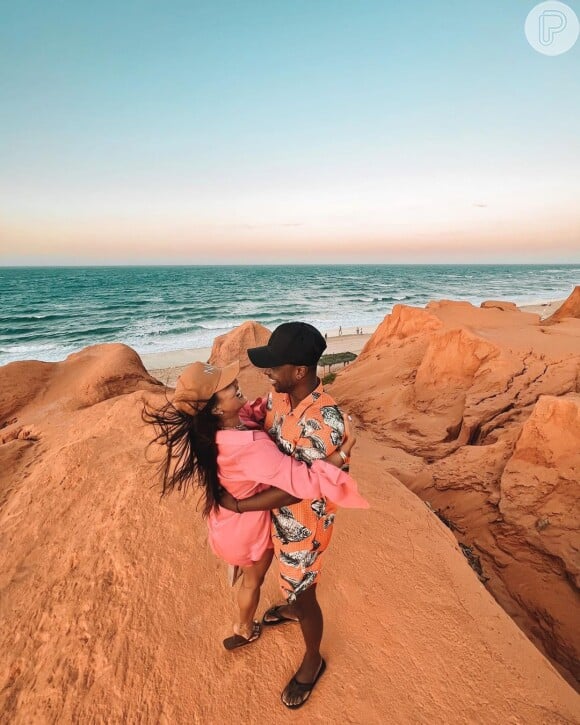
pixel 314 429
pixel 301 532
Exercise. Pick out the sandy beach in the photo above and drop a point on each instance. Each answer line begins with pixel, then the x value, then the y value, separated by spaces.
pixel 167 366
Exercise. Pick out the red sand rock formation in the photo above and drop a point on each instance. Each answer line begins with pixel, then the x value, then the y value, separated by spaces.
pixel 234 345
pixel 85 378
pixel 112 607
pixel 404 322
pixel 454 403
pixel 539 502
pixel 569 308
pixel 500 305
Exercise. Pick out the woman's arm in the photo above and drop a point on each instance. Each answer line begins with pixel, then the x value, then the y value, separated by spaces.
pixel 272 498
pixel 254 411
pixel 262 461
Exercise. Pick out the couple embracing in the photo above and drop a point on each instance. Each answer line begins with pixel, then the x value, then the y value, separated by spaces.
pixel 271 476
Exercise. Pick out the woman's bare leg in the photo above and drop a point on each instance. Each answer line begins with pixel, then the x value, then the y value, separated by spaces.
pixel 249 593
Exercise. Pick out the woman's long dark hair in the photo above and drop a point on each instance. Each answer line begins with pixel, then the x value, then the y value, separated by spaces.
pixel 190 450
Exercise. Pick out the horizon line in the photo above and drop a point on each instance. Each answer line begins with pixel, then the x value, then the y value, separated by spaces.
pixel 294 264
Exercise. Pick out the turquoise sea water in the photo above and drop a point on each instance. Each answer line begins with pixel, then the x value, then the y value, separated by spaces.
pixel 48 312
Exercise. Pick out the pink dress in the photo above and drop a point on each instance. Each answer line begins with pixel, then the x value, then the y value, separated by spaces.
pixel 250 462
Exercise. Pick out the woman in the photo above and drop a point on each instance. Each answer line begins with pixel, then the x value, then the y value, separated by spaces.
pixel 205 439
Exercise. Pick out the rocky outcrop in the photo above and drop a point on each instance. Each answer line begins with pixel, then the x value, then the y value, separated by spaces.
pixel 85 378
pixel 539 484
pixel 569 308
pixel 404 322
pixel 234 346
pixel 500 305
pixel 459 403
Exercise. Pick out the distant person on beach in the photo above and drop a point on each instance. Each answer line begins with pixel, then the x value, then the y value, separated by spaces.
pixel 306 423
pixel 211 441
pixel 340 330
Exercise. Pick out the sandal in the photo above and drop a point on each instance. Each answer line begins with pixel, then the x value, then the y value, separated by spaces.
pixel 303 688
pixel 275 616
pixel 238 640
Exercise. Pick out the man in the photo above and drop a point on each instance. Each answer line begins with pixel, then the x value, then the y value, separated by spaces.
pixel 305 422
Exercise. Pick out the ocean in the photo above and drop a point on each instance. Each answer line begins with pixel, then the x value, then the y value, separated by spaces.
pixel 48 312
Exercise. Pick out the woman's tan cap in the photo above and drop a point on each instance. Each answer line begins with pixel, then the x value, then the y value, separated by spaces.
pixel 198 382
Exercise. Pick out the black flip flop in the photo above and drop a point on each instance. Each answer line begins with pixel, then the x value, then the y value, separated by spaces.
pixel 304 688
pixel 278 617
pixel 237 640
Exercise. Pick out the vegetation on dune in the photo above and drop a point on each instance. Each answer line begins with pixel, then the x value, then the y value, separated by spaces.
pixel 336 358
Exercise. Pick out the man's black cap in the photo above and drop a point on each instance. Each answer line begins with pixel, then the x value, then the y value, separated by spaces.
pixel 292 343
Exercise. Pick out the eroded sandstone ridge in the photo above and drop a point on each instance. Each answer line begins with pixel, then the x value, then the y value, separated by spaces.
pixel 479 413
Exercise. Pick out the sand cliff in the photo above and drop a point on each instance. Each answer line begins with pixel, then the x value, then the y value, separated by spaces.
pixel 112 607
pixel 479 413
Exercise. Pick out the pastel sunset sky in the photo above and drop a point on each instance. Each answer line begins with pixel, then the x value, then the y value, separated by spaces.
pixel 284 131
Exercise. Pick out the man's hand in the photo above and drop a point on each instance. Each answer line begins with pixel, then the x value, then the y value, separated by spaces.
pixel 227 501
pixel 349 434
pixel 346 446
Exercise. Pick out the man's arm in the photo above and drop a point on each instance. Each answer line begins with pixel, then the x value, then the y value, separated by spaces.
pixel 272 498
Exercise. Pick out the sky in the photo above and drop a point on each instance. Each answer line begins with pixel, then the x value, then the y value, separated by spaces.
pixel 275 131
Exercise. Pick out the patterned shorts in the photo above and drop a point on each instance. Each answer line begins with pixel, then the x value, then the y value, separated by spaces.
pixel 301 534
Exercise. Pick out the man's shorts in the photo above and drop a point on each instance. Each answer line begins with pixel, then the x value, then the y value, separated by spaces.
pixel 301 534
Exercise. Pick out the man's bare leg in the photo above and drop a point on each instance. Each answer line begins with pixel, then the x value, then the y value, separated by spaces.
pixel 307 610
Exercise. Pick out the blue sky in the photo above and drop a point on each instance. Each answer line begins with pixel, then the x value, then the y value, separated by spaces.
pixel 284 131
